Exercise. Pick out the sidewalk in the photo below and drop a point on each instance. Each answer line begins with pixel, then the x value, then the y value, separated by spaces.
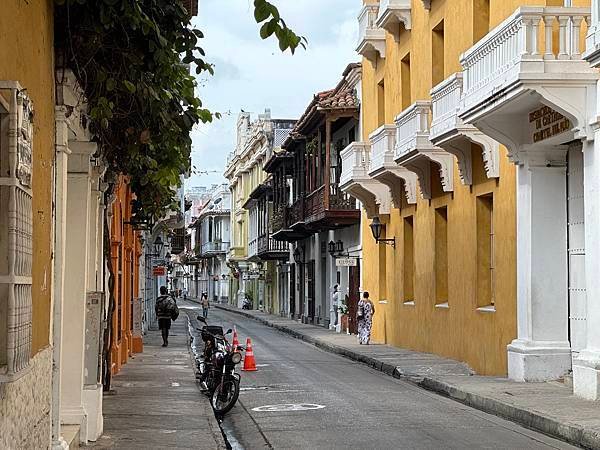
pixel 546 407
pixel 155 402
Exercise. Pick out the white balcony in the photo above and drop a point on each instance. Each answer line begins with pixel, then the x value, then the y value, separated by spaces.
pixel 414 150
pixel 383 168
pixel 530 61
pixel 252 247
pixel 371 38
pixel 355 180
pixel 453 135
pixel 394 15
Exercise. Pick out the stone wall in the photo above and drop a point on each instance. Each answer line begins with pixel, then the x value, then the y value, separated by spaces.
pixel 25 406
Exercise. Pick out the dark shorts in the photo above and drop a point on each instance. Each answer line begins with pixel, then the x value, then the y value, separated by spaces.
pixel 164 323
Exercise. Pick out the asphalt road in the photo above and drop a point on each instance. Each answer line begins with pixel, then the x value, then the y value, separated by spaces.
pixel 358 407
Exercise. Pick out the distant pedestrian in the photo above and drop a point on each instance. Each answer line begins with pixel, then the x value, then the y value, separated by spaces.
pixel 166 310
pixel 365 313
pixel 333 309
pixel 205 304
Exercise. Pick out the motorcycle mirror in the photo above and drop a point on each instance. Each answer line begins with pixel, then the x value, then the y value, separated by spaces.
pixel 201 319
pixel 229 331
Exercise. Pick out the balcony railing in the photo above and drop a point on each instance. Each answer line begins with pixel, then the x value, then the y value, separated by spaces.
pixel 445 101
pixel 215 247
pixel 449 131
pixel 371 38
pixel 383 143
pixel 267 244
pixel 252 247
pixel 496 60
pixel 412 128
pixel 355 162
pixel 296 212
pixel 392 13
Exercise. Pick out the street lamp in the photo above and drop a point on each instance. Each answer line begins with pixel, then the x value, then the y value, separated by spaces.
pixel 336 248
pixel 158 245
pixel 331 247
pixel 376 229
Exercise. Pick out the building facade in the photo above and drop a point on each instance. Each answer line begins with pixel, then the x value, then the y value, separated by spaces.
pixel 26 270
pixel 486 151
pixel 210 241
pixel 252 276
pixel 311 210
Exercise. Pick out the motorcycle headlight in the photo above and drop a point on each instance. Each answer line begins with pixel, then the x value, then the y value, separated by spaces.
pixel 236 357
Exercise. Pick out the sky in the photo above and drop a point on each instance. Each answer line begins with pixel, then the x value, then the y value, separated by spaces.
pixel 252 74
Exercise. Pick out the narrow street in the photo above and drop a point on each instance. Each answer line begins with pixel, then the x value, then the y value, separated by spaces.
pixel 358 407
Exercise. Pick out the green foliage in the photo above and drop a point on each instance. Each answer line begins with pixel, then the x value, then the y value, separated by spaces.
pixel 132 59
pixel 266 12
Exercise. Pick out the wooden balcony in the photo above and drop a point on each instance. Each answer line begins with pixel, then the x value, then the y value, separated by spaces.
pixel 269 248
pixel 330 209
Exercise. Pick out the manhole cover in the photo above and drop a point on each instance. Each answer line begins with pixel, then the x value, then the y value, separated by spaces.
pixel 288 407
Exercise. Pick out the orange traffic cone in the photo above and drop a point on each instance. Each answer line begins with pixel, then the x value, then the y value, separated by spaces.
pixel 249 362
pixel 235 343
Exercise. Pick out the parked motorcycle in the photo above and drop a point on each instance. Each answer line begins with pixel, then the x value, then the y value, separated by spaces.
pixel 217 370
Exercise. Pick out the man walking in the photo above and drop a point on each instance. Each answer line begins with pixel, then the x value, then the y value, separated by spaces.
pixel 205 304
pixel 166 310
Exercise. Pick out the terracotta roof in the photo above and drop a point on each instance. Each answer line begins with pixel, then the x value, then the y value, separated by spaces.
pixel 342 97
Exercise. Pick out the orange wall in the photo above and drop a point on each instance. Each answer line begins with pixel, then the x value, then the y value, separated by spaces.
pixel 125 253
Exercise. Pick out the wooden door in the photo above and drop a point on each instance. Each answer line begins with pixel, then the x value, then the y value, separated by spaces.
pixel 311 290
pixel 353 297
pixel 292 303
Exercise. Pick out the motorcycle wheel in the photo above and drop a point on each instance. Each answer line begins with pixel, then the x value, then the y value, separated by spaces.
pixel 225 395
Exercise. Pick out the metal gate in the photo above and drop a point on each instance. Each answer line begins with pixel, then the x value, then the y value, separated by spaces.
pixel 576 249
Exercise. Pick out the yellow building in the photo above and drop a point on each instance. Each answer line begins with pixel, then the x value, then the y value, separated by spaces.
pixel 26 78
pixel 258 262
pixel 450 281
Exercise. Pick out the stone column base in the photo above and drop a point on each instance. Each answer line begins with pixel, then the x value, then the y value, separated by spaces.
pixel 75 416
pixel 586 375
pixel 92 400
pixel 538 361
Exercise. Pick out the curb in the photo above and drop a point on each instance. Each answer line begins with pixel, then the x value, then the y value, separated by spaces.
pixel 569 432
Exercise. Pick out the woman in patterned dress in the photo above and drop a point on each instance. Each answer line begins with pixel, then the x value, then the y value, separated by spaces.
pixel 366 309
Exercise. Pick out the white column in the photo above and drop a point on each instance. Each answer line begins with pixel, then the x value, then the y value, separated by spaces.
pixel 60 230
pixel 586 368
pixel 541 350
pixel 75 289
pixel 92 388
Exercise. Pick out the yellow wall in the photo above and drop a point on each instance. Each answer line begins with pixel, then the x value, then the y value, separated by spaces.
pixel 460 332
pixel 27 56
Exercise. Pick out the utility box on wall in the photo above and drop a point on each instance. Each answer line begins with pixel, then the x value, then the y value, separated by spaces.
pixel 94 332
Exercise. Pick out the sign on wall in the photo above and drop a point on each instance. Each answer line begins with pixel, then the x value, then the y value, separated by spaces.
pixel 159 271
pixel 546 122
pixel 346 262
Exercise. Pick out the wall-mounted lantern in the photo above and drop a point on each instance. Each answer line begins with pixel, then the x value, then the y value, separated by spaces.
pixel 158 245
pixel 376 229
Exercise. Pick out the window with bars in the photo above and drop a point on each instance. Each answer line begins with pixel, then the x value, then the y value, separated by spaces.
pixel 16 230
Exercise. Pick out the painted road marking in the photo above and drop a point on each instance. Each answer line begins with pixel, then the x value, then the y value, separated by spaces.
pixel 288 407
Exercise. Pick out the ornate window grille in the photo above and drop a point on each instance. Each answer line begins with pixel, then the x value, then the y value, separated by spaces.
pixel 16 227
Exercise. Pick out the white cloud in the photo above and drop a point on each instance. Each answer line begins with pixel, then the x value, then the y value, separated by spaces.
pixel 252 74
